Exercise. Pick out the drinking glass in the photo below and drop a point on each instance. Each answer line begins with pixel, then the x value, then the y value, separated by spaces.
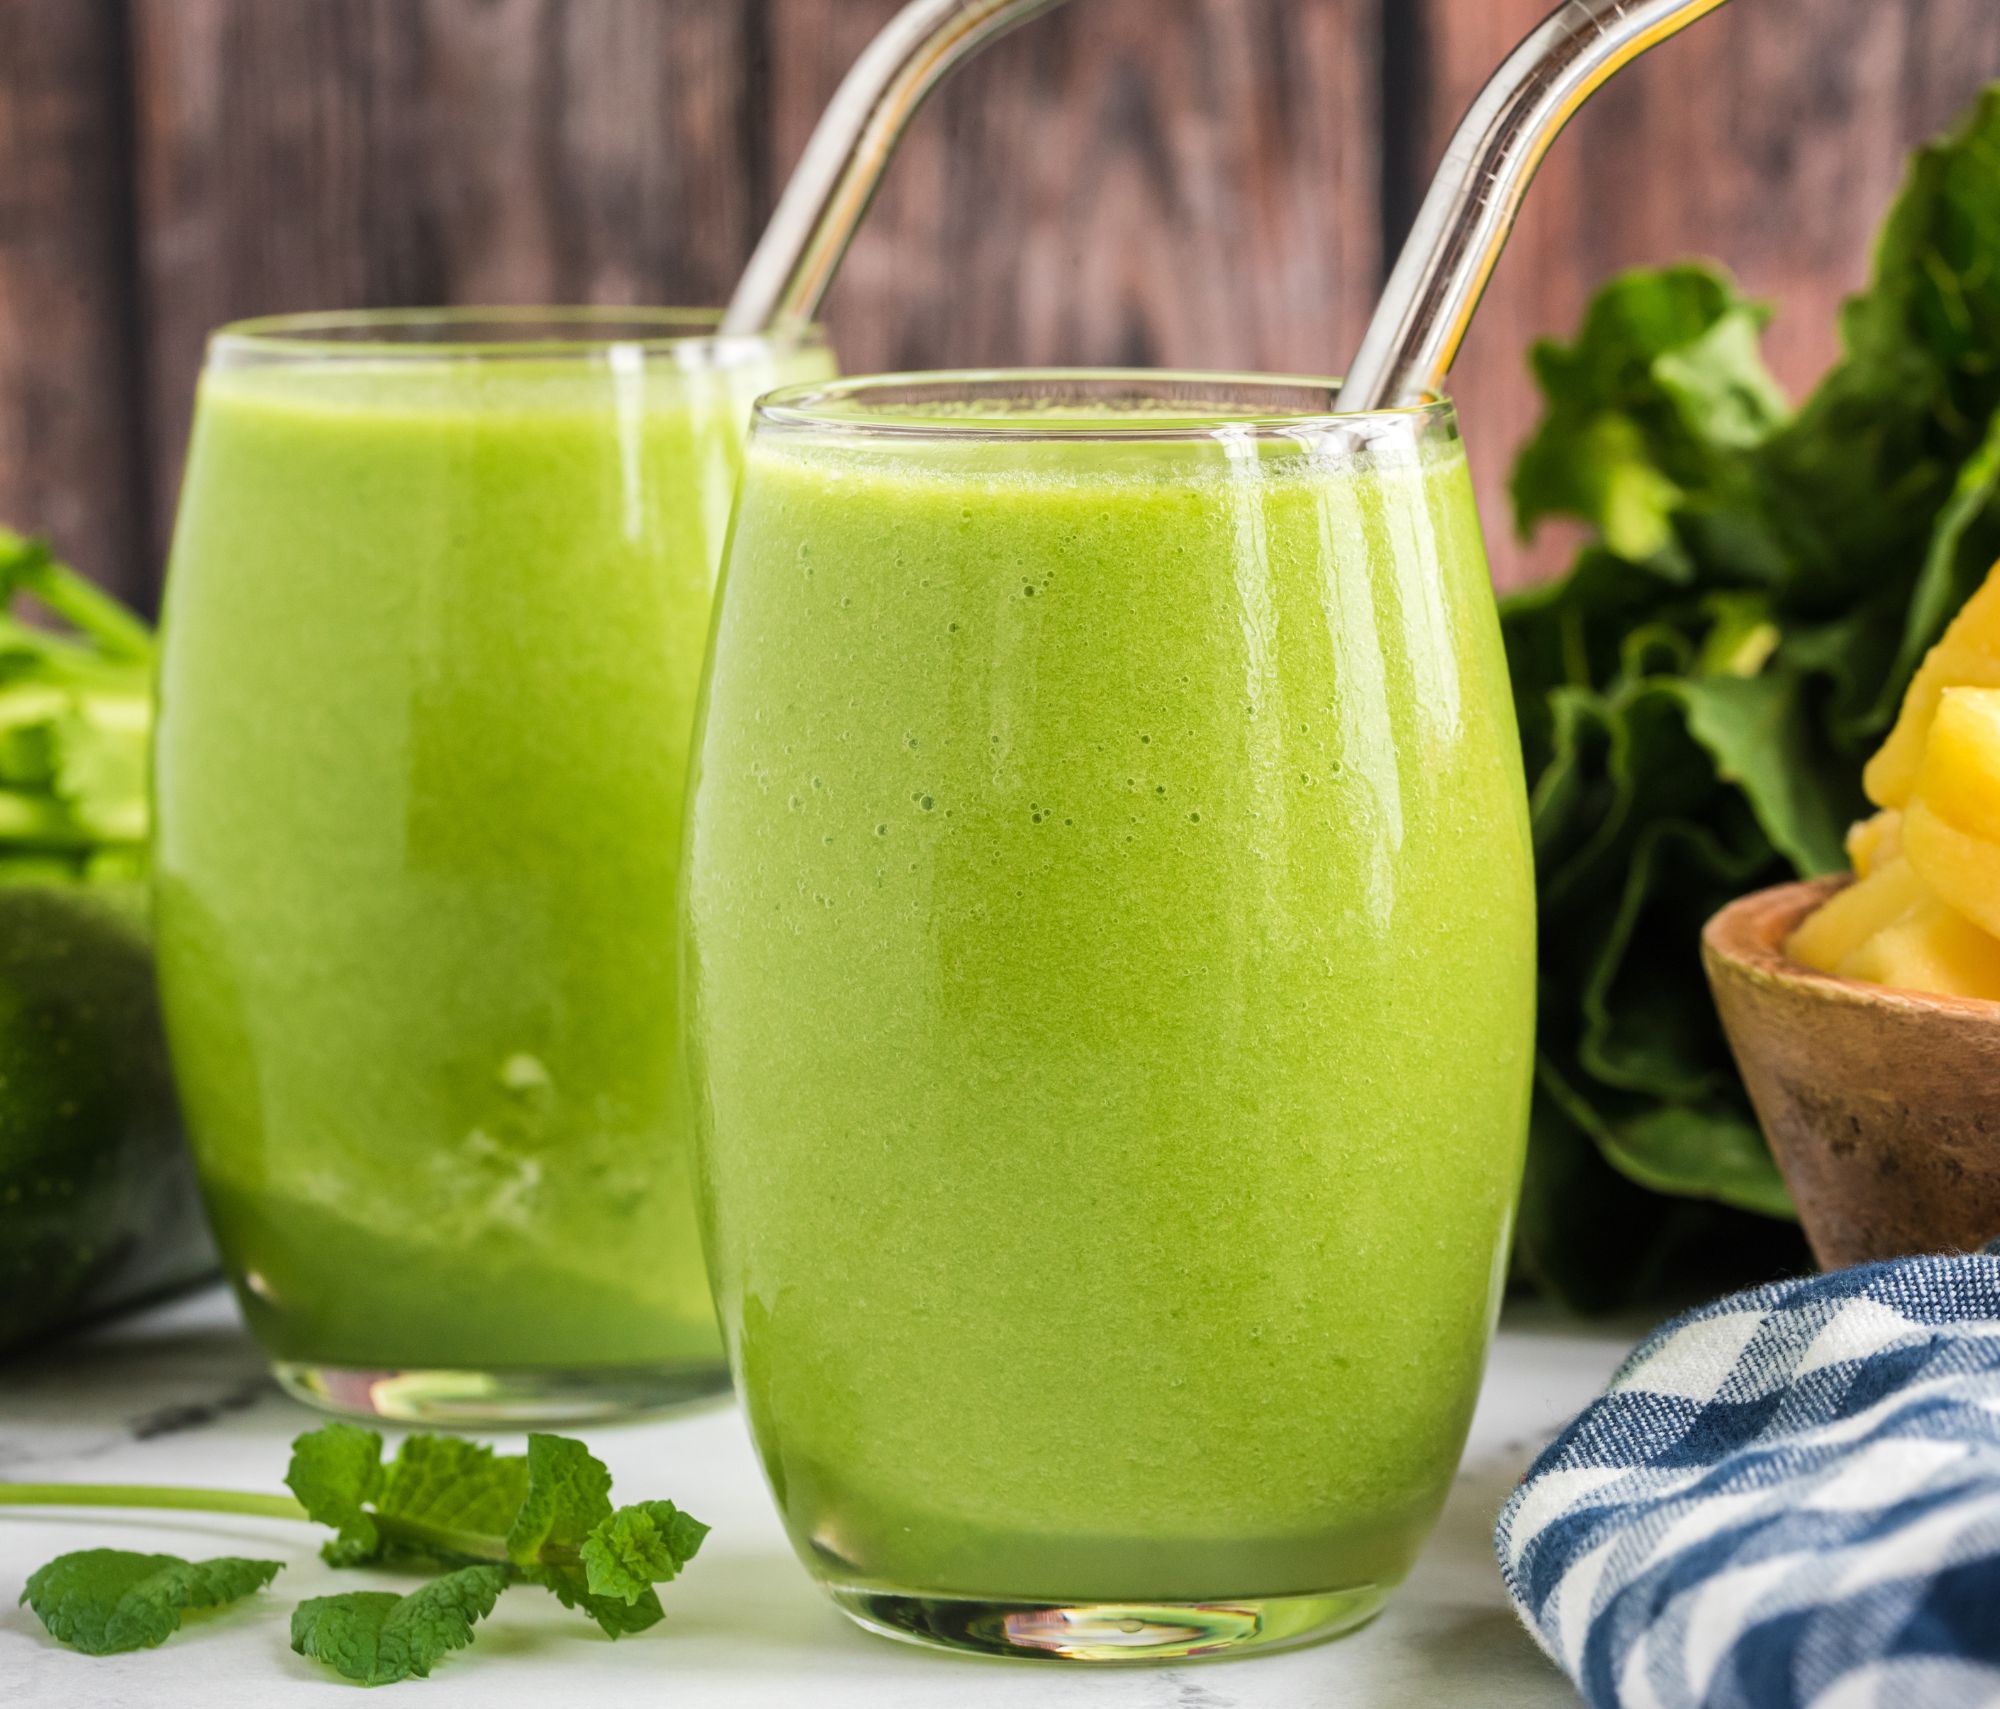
pixel 1108 971
pixel 436 609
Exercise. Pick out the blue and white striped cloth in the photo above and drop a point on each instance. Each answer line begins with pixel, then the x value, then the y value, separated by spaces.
pixel 1788 1498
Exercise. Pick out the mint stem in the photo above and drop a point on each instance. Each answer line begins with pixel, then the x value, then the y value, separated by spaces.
pixel 414 1534
pixel 151 1495
pixel 438 1539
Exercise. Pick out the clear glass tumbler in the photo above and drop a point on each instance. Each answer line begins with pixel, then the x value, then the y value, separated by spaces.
pixel 1109 987
pixel 435 616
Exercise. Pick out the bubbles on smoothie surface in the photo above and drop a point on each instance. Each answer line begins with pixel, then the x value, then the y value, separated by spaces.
pixel 525 1075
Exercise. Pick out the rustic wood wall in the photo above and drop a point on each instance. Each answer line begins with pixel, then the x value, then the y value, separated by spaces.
pixel 1206 182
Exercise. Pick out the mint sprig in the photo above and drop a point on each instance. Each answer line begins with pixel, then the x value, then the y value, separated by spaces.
pixel 567 1510
pixel 483 1520
pixel 107 1601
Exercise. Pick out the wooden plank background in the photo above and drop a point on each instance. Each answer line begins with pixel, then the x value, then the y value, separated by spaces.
pixel 1199 182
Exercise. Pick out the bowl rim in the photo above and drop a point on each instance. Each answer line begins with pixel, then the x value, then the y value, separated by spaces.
pixel 1747 936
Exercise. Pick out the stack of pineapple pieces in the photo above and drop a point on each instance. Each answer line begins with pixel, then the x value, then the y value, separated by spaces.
pixel 1924 913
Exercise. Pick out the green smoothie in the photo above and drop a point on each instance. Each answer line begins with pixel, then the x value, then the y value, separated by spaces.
pixel 1110 991
pixel 433 635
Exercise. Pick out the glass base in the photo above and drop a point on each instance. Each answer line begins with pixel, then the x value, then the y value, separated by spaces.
pixel 469 1400
pixel 1108 1631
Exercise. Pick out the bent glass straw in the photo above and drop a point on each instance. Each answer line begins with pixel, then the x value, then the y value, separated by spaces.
pixel 1470 208
pixel 1451 251
pixel 836 177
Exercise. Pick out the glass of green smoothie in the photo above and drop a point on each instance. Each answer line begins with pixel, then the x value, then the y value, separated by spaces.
pixel 1108 971
pixel 435 617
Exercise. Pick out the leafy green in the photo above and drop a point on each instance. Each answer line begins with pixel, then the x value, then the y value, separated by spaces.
pixel 569 1493
pixel 377 1637
pixel 489 1520
pixel 98 1207
pixel 106 1601
pixel 1696 696
pixel 546 1515
pixel 75 715
pixel 441 1499
pixel 1647 407
pixel 443 1496
pixel 335 1472
pixel 566 1521
pixel 640 1546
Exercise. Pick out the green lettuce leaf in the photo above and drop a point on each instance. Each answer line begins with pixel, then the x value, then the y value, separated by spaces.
pixel 1648 408
pixel 1853 486
pixel 1696 696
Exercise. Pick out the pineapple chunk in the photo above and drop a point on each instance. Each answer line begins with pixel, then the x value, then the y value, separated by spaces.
pixel 1874 841
pixel 1968 654
pixel 1924 912
pixel 1960 774
pixel 1956 867
pixel 1951 829
pixel 1932 948
pixel 1838 927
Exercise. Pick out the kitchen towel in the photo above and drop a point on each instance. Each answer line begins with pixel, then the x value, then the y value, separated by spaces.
pixel 1789 1499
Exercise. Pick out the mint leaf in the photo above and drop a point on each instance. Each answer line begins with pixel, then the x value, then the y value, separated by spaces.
pixel 377 1637
pixel 569 1496
pixel 569 1492
pixel 335 1471
pixel 640 1546
pixel 441 1499
pixel 106 1601
pixel 447 1499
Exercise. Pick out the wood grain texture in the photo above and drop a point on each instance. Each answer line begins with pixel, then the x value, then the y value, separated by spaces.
pixel 1770 138
pixel 353 153
pixel 70 455
pixel 1185 182
pixel 1199 182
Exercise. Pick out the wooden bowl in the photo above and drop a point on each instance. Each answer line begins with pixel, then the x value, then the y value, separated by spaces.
pixel 1882 1106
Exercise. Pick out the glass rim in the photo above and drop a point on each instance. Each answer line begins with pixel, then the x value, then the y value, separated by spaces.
pixel 1216 401
pixel 498 332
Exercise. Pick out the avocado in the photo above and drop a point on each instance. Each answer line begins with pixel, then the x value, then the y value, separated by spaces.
pixel 98 1207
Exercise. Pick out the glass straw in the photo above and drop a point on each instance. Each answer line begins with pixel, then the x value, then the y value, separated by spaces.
pixel 1470 208
pixel 1451 251
pixel 849 150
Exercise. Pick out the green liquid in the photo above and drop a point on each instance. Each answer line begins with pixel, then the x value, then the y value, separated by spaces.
pixel 432 642
pixel 1111 959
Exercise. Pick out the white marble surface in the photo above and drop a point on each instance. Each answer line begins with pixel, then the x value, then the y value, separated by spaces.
pixel 179 1396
